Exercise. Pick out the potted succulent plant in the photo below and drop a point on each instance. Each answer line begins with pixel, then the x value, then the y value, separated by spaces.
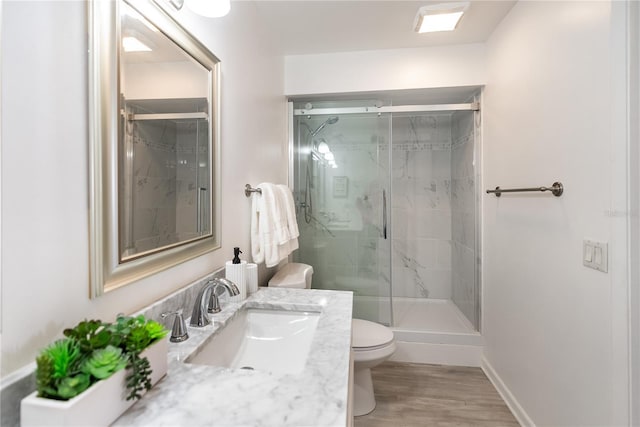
pixel 81 379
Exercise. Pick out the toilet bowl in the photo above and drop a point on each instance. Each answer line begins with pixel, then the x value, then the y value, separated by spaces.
pixel 371 342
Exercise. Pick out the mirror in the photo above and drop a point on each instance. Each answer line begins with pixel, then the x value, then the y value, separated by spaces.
pixel 154 114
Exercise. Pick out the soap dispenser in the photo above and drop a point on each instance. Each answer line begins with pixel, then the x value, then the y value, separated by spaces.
pixel 236 271
pixel 236 255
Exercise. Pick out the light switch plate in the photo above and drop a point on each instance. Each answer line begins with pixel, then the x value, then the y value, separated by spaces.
pixel 595 255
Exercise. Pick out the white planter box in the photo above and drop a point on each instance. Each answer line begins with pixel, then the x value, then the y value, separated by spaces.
pixel 99 405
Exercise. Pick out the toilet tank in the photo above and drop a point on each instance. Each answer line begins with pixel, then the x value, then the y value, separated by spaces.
pixel 293 275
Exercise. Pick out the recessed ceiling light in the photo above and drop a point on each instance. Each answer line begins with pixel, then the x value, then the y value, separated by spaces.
pixel 439 17
pixel 132 44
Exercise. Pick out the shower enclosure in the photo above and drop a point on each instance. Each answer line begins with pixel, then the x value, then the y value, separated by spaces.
pixel 341 188
pixel 165 174
pixel 387 204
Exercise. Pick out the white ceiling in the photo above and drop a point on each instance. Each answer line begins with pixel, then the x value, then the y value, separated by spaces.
pixel 312 26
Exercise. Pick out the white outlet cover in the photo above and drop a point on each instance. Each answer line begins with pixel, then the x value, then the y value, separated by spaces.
pixel 595 255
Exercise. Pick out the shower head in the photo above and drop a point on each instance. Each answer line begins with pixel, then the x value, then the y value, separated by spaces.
pixel 330 121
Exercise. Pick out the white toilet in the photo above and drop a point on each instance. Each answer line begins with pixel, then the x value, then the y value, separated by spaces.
pixel 371 342
pixel 293 275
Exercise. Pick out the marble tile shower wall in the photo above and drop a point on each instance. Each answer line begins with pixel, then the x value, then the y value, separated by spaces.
pixel 154 182
pixel 191 175
pixel 345 249
pixel 432 203
pixel 463 211
pixel 421 203
pixel 167 174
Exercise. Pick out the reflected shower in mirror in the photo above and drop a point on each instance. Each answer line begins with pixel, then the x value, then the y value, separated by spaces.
pixel 164 166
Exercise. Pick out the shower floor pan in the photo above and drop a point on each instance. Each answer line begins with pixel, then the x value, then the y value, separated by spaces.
pixel 428 331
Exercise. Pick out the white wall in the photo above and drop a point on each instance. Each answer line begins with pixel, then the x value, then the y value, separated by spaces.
pixel 380 70
pixel 147 80
pixel 549 323
pixel 45 261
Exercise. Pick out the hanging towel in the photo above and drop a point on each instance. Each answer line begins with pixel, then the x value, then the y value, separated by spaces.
pixel 290 214
pixel 274 230
pixel 257 244
pixel 265 241
pixel 268 226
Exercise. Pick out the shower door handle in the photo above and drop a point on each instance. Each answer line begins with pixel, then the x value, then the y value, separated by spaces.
pixel 384 214
pixel 199 205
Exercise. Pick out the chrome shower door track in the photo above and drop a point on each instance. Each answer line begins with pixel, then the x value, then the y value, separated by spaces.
pixel 473 106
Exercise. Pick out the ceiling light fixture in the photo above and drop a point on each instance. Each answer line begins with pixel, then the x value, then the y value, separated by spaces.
pixel 132 44
pixel 439 17
pixel 210 8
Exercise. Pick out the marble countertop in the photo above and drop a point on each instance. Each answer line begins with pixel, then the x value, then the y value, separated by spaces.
pixel 195 395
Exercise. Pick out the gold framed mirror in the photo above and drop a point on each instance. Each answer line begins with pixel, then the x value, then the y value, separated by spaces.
pixel 154 103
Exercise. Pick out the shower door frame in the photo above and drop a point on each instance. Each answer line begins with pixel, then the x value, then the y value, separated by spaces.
pixel 470 106
pixel 292 112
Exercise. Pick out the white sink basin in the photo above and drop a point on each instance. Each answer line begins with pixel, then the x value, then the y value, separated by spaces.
pixel 268 340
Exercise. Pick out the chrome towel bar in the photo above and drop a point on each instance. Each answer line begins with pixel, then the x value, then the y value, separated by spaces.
pixel 248 190
pixel 556 189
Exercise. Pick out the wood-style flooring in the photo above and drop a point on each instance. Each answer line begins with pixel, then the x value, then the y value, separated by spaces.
pixel 411 395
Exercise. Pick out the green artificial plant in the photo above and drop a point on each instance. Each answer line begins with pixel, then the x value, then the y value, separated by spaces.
pixel 92 351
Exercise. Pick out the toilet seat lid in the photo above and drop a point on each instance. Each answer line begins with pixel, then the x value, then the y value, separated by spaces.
pixel 292 275
pixel 366 334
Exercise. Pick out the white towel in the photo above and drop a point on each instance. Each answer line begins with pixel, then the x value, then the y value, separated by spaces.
pixel 264 232
pixel 274 230
pixel 290 214
pixel 257 244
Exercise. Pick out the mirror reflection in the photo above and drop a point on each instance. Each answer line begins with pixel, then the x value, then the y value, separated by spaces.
pixel 154 97
pixel 164 174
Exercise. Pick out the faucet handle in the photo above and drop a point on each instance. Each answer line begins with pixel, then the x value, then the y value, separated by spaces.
pixel 214 304
pixel 179 330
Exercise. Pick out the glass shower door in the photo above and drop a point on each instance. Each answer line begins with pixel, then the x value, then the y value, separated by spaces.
pixel 341 187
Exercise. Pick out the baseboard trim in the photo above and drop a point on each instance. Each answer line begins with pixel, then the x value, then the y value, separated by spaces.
pixel 516 409
pixel 437 354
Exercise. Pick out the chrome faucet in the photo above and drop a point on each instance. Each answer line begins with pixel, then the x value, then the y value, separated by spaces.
pixel 179 330
pixel 199 316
